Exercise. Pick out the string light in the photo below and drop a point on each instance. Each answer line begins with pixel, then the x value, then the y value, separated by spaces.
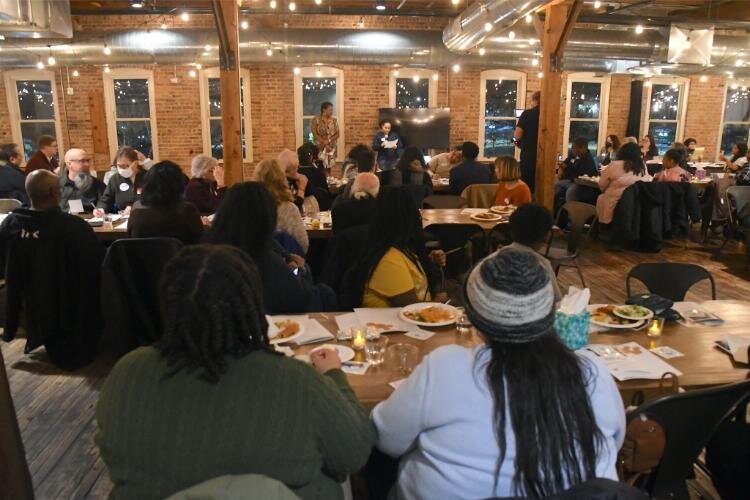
pixel 396 72
pixel 269 51
pixel 199 66
pixel 192 73
pixel 292 6
pixel 639 29
pixel 529 19
pixel 511 35
pixel 361 22
pixel 488 27
pixel 163 26
pixel 456 68
pixel 535 62
pixel 435 76
pixel 704 78
pixel 272 4
pixel 647 83
pixel 739 62
pixel 207 47
pixel 597 4
pixel 185 16
pixel 734 86
pixel 296 71
pixel 318 73
pixel 482 51
pixel 107 51
pixel 106 69
pixel 455 2
pixel 51 60
pixel 40 64
pixel 318 2
pixel 244 25
pixel 76 74
pixel 540 75
pixel 415 78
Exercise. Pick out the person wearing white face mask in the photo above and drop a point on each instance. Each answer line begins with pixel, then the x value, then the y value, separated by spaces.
pixel 123 187
pixel 76 181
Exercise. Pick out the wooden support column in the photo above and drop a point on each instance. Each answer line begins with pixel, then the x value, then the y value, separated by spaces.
pixel 559 19
pixel 226 15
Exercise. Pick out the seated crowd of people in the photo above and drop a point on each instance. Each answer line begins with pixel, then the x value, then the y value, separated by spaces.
pixel 519 415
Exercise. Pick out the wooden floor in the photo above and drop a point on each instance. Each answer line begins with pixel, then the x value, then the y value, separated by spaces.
pixel 56 409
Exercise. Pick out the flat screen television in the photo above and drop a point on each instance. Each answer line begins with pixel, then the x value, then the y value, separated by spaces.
pixel 420 127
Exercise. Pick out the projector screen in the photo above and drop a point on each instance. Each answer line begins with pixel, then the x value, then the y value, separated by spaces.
pixel 420 127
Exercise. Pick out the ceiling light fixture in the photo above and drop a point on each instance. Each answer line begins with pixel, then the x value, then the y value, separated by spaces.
pixel 318 2
pixel 40 64
pixel 597 4
pixel 318 73
pixel 296 71
pixel 269 51
pixel 185 16
pixel 482 51
pixel 36 35
pixel 380 5
pixel 207 47
pixel 396 72
pixel 361 22
pixel 50 60
pixel 535 62
pixel 739 62
pixel 163 26
pixel 735 86
pixel 529 19
pixel 415 78
pixel 540 75
pixel 136 4
pixel 435 76
pixel 704 78
pixel 639 29
pixel 106 69
pixel 76 74
pixel 292 6
pixel 456 68
pixel 244 25
pixel 199 66
pixel 455 2
pixel 192 73
pixel 107 51
pixel 488 27
pixel 511 35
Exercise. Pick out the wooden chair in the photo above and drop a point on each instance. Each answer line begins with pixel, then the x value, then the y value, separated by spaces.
pixel 15 479
pixel 7 205
pixel 480 195
pixel 444 201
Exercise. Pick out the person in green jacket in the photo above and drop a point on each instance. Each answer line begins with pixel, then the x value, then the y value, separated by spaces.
pixel 212 398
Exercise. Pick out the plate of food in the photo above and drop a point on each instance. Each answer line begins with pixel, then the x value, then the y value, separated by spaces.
pixel 633 312
pixel 345 353
pixel 503 209
pixel 429 314
pixel 284 330
pixel 487 217
pixel 604 316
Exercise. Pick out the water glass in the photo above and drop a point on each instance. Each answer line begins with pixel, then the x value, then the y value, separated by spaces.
pixel 375 350
pixel 404 357
pixel 107 222
pixel 463 325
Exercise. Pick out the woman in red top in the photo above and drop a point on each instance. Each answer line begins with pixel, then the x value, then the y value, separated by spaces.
pixel 511 190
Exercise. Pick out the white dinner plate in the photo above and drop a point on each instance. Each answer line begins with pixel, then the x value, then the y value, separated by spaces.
pixel 593 307
pixel 422 305
pixel 487 217
pixel 273 332
pixel 503 209
pixel 345 353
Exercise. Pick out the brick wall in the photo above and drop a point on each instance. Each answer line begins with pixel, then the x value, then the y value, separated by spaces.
pixel 705 112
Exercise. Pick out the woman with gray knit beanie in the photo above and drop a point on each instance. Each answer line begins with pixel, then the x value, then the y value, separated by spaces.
pixel 519 415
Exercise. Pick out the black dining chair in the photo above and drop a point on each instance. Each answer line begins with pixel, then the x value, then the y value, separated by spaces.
pixel 689 419
pixel 464 244
pixel 581 220
pixel 671 280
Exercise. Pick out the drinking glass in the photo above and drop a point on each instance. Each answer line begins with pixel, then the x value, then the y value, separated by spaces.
pixel 655 328
pixel 404 357
pixel 375 350
pixel 463 325
pixel 107 222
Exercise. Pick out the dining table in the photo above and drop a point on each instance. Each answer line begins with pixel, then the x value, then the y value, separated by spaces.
pixel 702 364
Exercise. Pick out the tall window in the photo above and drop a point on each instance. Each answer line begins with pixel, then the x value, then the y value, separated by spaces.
pixel 666 110
pixel 33 107
pixel 586 109
pixel 312 87
pixel 210 87
pixel 502 96
pixel 129 100
pixel 736 126
pixel 413 88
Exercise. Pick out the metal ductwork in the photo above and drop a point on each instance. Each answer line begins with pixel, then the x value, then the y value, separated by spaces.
pixel 468 29
pixel 36 18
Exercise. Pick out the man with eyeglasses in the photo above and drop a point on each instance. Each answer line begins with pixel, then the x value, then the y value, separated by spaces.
pixel 77 183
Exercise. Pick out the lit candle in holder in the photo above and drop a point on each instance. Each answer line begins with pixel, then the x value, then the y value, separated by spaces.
pixel 655 328
pixel 358 339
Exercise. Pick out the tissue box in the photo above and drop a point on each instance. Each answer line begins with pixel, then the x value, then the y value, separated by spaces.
pixel 573 329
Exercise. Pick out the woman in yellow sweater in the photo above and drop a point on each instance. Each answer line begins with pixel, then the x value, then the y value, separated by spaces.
pixel 511 190
pixel 394 268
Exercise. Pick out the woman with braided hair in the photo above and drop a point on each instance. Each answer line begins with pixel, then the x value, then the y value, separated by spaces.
pixel 212 398
pixel 520 415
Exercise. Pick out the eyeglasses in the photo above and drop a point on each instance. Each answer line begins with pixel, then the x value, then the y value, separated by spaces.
pixel 122 166
pixel 82 160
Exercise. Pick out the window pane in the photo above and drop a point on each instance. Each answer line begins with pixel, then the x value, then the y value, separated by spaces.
pixel 664 102
pixel 214 98
pixel 316 91
pixel 411 94
pixel 664 135
pixel 737 108
pixel 732 134
pixel 307 135
pixel 35 100
pixel 585 98
pixel 136 134
pixel 131 98
pixel 30 133
pixel 589 130
pixel 498 138
pixel 500 98
pixel 217 141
